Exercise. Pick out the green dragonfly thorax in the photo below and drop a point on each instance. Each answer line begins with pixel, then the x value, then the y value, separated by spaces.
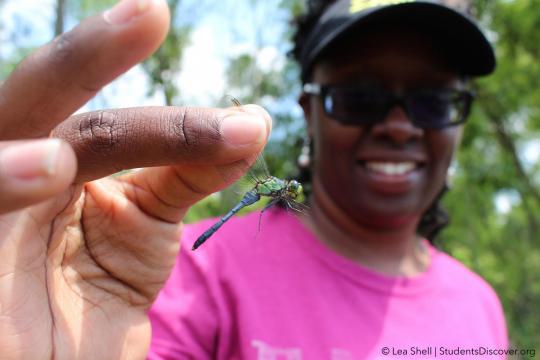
pixel 271 186
pixel 274 186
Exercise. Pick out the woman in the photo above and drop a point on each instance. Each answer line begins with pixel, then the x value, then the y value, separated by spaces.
pixel 385 94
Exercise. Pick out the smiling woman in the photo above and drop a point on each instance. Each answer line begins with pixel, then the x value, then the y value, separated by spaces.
pixel 388 160
pixel 385 94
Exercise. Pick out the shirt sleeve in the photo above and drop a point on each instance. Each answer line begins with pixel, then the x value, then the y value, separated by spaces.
pixel 184 317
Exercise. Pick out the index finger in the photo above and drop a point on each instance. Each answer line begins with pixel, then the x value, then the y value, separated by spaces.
pixel 109 141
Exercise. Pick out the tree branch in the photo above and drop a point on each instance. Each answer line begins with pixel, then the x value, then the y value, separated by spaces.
pixel 59 21
pixel 507 143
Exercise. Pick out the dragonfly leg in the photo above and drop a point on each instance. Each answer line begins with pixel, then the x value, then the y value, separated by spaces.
pixel 259 228
pixel 296 206
pixel 266 207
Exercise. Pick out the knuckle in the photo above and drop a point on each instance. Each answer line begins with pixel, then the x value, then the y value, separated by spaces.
pixel 63 46
pixel 100 131
pixel 192 128
pixel 62 50
pixel 66 56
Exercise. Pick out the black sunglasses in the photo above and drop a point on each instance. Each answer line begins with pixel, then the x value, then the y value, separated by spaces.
pixel 366 105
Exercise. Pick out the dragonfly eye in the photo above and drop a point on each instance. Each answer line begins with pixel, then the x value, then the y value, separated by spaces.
pixel 294 185
pixel 294 188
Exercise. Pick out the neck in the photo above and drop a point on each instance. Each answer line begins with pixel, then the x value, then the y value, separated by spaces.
pixel 392 251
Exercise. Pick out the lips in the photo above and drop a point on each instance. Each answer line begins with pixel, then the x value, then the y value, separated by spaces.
pixel 395 175
pixel 391 168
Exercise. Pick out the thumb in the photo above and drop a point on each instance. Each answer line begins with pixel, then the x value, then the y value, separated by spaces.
pixel 34 171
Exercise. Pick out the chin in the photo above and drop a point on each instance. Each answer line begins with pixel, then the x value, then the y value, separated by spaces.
pixel 388 215
pixel 389 222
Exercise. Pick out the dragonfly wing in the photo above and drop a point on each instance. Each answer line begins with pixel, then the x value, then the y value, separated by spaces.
pixel 259 171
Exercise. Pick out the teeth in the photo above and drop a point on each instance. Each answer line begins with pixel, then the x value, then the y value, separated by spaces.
pixel 388 168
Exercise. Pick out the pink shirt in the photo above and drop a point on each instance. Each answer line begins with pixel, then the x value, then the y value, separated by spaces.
pixel 284 295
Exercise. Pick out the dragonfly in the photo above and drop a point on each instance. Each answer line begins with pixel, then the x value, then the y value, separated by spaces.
pixel 263 185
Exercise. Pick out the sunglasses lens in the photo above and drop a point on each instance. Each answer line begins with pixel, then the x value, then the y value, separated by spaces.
pixel 433 109
pixel 355 106
pixel 436 109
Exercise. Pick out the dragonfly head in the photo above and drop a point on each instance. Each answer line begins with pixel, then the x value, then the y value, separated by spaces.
pixel 294 189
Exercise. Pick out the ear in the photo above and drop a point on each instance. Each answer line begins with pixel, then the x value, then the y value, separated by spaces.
pixel 305 103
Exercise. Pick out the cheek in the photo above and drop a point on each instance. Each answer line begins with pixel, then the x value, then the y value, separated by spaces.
pixel 334 144
pixel 335 148
pixel 442 146
pixel 330 137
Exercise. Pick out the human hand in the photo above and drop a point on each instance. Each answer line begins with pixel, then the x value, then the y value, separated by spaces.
pixel 84 255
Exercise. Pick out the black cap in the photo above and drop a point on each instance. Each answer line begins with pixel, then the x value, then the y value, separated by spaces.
pixel 452 30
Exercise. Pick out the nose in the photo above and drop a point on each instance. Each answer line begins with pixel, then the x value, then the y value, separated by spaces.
pixel 397 127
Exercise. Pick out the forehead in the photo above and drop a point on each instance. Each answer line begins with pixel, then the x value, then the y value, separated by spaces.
pixel 389 54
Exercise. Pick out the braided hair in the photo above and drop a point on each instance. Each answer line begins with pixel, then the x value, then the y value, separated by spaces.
pixel 435 218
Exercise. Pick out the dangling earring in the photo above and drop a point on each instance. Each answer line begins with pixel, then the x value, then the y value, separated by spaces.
pixel 304 159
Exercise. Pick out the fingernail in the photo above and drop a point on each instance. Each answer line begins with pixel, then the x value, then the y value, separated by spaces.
pixel 125 10
pixel 30 160
pixel 243 128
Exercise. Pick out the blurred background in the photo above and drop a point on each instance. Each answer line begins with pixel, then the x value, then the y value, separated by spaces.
pixel 239 48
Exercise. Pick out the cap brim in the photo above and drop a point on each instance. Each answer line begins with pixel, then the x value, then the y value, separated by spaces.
pixel 461 38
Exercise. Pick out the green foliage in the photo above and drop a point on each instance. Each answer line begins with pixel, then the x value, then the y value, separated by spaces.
pixel 503 247
pixel 7 65
pixel 81 9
